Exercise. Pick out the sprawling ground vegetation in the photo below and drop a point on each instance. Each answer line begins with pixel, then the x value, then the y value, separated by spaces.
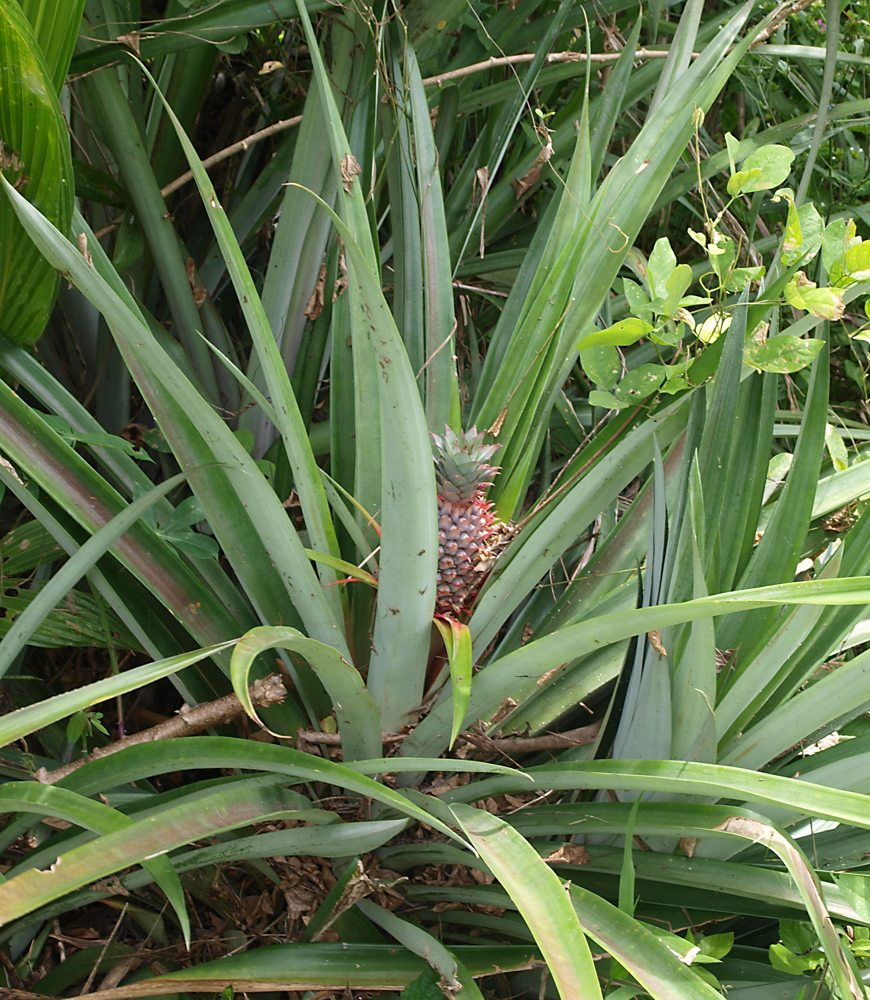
pixel 434 545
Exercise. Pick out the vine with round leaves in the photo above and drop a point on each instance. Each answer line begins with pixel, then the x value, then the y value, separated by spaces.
pixel 665 310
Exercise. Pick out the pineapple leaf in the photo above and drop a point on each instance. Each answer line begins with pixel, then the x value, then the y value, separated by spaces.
pixel 457 642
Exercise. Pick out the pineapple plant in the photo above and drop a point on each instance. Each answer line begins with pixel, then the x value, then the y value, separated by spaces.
pixel 470 535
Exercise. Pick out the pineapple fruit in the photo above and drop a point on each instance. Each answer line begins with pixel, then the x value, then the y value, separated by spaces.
pixel 469 534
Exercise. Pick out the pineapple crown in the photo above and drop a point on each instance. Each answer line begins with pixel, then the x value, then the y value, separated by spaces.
pixel 461 462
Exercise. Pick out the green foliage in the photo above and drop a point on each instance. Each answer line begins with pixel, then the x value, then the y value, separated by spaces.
pixel 35 157
pixel 634 766
pixel 797 952
pixel 424 987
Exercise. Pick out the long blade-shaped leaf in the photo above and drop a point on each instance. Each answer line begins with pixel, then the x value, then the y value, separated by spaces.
pixel 18 898
pixel 242 509
pixel 35 156
pixel 355 711
pixel 138 841
pixel 306 475
pixel 23 721
pixel 209 752
pixel 518 672
pixel 314 966
pixel 440 374
pixel 53 464
pixel 406 590
pixel 540 898
pixel 457 642
pixel 74 569
pixel 55 27
pixel 802 798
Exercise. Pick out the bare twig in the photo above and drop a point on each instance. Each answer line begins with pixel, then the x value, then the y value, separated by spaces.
pixel 504 744
pixel 9 966
pixel 264 692
pixel 432 81
pixel 89 982
pixel 480 289
pixel 784 11
pixel 548 741
pixel 334 739
pixel 526 57
pixel 228 151
pixel 213 160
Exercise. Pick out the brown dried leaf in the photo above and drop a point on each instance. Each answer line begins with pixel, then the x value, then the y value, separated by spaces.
pixel 522 184
pixel 198 289
pixel 113 884
pixel 55 823
pixel 446 783
pixel 82 244
pixel 314 306
pixel 503 711
pixel 515 801
pixel 825 743
pixel 655 640
pixel 9 159
pixel 569 854
pixel 481 177
pixel 549 675
pixel 340 286
pixel 841 520
pixel 482 878
pixel 350 170
pixel 688 845
pixel 132 40
pixel 724 658
pixel 496 427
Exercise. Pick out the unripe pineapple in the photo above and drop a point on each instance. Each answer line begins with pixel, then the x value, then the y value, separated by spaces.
pixel 469 534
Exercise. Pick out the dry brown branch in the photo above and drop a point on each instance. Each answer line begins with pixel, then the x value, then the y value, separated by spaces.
pixel 264 692
pixel 503 744
pixel 228 151
pixel 526 57
pixel 432 81
pixel 334 739
pixel 520 58
pixel 548 741
pixel 784 11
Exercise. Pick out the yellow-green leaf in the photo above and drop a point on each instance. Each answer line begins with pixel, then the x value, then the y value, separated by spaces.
pixel 343 566
pixel 826 303
pixel 762 170
pixel 622 334
pixel 457 642
pixel 858 261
